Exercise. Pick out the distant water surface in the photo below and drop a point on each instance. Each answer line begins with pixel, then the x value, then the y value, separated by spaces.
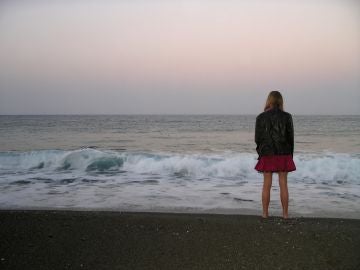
pixel 194 163
pixel 173 133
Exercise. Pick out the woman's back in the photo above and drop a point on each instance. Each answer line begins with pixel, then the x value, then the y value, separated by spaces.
pixel 274 133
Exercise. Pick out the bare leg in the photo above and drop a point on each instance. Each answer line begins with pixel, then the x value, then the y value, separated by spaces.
pixel 266 193
pixel 284 193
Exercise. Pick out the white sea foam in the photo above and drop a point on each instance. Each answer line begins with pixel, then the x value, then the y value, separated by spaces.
pixel 327 167
pixel 91 178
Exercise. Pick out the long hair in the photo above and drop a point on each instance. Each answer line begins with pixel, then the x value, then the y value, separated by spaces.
pixel 274 100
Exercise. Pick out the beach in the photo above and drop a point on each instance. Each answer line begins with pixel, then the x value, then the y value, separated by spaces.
pixel 173 192
pixel 131 133
pixel 63 239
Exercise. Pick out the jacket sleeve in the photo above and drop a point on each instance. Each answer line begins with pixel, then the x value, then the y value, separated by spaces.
pixel 290 133
pixel 257 134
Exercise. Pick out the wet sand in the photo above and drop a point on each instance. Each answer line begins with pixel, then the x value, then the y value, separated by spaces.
pixel 44 239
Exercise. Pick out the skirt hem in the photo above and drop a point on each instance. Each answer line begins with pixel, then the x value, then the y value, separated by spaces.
pixel 275 163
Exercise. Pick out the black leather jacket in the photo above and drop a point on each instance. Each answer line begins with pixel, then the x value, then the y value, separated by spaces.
pixel 274 133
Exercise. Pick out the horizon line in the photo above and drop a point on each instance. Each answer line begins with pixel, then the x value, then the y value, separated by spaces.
pixel 164 114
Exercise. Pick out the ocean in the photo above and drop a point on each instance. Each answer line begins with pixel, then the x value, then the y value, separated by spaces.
pixel 173 163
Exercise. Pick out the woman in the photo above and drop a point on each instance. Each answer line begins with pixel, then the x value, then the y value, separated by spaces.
pixel 274 137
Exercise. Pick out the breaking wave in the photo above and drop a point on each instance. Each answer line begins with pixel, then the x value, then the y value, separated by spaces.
pixel 314 168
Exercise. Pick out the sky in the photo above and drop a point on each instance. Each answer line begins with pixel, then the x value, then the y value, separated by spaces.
pixel 179 56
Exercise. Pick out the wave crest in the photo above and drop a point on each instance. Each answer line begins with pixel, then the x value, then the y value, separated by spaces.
pixel 329 167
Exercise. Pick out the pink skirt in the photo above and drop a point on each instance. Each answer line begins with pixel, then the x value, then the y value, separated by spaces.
pixel 276 163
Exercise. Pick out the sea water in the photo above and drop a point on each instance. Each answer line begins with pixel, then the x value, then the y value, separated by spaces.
pixel 173 163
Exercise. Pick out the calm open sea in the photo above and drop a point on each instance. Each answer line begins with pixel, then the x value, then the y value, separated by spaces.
pixel 177 163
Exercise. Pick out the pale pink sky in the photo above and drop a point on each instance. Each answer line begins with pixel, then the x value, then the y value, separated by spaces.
pixel 179 56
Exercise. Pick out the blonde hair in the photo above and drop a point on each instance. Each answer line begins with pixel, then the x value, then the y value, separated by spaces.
pixel 274 100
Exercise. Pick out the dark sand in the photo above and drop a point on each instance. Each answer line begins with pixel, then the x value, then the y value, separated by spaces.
pixel 115 240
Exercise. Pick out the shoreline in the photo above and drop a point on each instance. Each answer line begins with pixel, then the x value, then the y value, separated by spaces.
pixel 63 239
pixel 325 214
